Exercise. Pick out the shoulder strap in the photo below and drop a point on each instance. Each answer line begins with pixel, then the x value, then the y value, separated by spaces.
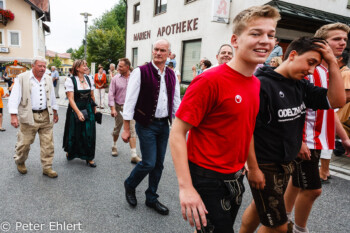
pixel 74 83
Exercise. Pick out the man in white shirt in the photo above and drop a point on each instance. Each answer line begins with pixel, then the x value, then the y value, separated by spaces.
pixel 152 98
pixel 33 108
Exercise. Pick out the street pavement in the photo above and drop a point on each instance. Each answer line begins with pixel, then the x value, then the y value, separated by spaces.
pixel 91 200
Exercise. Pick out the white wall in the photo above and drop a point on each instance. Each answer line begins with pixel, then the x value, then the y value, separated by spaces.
pixel 212 34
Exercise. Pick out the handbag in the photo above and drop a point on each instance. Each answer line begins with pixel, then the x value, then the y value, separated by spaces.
pixel 84 112
pixel 98 117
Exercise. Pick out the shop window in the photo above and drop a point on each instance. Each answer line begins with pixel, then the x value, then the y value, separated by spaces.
pixel 161 6
pixel 136 12
pixel 134 57
pixel 190 56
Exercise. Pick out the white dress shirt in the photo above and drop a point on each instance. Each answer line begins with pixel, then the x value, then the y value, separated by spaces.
pixel 37 94
pixel 133 90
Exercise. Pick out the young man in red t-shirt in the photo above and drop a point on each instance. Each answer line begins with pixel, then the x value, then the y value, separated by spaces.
pixel 219 111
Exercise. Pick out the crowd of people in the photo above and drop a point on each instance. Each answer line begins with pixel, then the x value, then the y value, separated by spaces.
pixel 251 114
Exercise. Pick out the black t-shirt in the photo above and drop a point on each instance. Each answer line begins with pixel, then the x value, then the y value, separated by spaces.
pixel 280 122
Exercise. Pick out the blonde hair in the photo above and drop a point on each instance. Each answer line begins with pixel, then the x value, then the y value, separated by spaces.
pixel 278 60
pixel 244 17
pixel 322 32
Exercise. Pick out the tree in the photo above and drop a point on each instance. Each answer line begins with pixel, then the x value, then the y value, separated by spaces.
pixel 105 38
pixel 70 50
pixel 111 19
pixel 105 46
pixel 56 62
pixel 78 53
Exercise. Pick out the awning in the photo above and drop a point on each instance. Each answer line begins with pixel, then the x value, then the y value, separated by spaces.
pixel 303 18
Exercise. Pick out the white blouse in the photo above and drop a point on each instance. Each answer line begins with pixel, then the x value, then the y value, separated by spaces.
pixel 70 87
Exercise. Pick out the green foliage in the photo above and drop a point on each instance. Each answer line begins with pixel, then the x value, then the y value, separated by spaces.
pixel 78 53
pixel 56 62
pixel 183 90
pixel 111 19
pixel 105 38
pixel 105 46
pixel 70 50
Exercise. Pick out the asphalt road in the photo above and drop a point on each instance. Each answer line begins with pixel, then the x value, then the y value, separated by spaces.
pixel 84 199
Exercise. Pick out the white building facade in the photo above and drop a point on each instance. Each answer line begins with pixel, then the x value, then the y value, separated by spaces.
pixel 197 28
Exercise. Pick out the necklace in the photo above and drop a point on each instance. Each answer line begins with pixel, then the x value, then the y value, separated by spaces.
pixel 82 81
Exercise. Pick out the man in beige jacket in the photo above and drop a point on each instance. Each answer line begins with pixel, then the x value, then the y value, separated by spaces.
pixel 33 108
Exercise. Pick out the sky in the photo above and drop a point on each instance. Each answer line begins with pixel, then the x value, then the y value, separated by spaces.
pixel 67 25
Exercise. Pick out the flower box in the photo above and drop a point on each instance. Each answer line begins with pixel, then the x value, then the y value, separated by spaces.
pixel 5 16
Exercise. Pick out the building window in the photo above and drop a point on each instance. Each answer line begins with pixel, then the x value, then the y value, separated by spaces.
pixel 191 54
pixel 2 4
pixel 136 12
pixel 161 6
pixel 348 5
pixel 134 57
pixel 2 42
pixel 14 38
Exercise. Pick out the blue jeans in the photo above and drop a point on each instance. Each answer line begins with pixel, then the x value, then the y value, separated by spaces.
pixel 153 143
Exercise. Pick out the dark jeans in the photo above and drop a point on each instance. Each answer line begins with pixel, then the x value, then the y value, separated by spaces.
pixel 153 143
pixel 222 208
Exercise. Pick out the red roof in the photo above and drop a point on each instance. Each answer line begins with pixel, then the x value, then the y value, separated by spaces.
pixel 50 53
pixel 42 4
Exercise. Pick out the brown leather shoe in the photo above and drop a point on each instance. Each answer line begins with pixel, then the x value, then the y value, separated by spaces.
pixel 114 151
pixel 21 167
pixel 135 159
pixel 50 173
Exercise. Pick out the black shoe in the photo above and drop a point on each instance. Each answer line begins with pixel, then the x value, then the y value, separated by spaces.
pixel 130 195
pixel 159 207
pixel 324 181
pixel 91 164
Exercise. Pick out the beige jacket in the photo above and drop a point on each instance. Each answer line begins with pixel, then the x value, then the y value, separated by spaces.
pixel 25 114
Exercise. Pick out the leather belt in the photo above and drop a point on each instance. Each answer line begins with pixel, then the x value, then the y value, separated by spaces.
pixel 160 119
pixel 201 171
pixel 39 111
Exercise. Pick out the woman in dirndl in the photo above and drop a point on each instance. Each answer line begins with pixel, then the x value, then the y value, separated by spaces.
pixel 79 137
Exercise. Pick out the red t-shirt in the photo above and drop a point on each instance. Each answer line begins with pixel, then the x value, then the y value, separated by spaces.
pixel 221 105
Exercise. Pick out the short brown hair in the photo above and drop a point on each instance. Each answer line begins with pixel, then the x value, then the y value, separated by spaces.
pixel 247 15
pixel 322 32
pixel 77 64
pixel 125 60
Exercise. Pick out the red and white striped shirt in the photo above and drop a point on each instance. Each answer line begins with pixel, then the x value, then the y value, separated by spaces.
pixel 319 129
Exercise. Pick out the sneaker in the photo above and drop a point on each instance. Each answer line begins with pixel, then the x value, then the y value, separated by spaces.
pixel 21 167
pixel 50 173
pixel 135 159
pixel 114 151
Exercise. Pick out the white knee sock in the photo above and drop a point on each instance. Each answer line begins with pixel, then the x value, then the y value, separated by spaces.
pixel 114 143
pixel 289 216
pixel 297 229
pixel 133 152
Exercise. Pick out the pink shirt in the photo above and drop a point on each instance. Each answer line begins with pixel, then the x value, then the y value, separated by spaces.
pixel 117 90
